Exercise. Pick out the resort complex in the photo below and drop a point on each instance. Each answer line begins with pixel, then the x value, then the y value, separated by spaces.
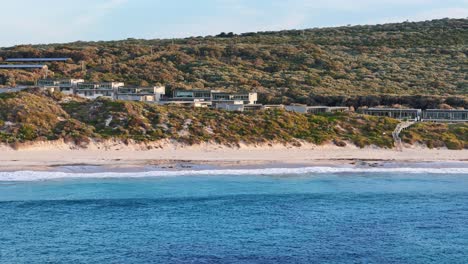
pixel 217 99
pixel 435 115
pixel 210 98
pixel 207 98
pixel 409 114
pixel 299 108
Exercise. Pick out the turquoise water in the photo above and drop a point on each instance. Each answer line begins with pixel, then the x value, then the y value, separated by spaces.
pixel 309 218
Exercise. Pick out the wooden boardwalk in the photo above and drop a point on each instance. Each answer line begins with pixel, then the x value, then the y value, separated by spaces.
pixel 396 134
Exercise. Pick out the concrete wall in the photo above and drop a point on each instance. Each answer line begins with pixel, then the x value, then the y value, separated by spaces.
pixel 231 107
pixel 297 108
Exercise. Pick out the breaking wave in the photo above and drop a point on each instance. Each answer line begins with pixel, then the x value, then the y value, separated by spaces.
pixel 42 175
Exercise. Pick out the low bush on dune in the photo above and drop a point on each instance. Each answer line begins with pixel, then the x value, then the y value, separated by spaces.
pixel 436 135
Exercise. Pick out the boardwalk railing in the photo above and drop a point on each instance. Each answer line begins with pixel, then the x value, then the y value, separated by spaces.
pixel 396 134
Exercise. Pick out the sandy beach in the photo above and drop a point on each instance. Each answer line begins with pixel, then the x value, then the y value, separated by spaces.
pixel 45 155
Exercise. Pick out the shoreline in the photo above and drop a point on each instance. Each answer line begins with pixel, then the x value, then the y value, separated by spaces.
pixel 363 169
pixel 115 156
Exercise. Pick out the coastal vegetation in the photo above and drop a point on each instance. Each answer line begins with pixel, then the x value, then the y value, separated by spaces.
pixel 421 65
pixel 437 135
pixel 34 115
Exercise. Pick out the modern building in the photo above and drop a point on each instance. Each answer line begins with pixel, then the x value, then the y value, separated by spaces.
pixel 214 96
pixel 13 89
pixel 273 106
pixel 48 82
pixel 233 98
pixel 253 107
pixel 230 107
pixel 95 90
pixel 201 104
pixel 239 107
pixel 141 94
pixel 191 95
pixel 443 115
pixel 327 109
pixel 397 113
pixel 37 59
pixel 67 86
pixel 23 66
pixel 187 103
pixel 299 108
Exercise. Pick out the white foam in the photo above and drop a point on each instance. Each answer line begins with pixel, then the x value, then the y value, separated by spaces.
pixel 41 175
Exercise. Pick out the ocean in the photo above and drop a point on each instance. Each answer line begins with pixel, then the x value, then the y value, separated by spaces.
pixel 294 215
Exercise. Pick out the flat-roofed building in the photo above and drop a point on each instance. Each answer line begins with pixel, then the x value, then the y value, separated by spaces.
pixel 141 94
pixel 49 85
pixel 66 86
pixel 190 103
pixel 444 115
pixel 51 88
pixel 191 95
pixel 23 66
pixel 298 108
pixel 230 107
pixel 253 107
pixel 13 89
pixel 273 106
pixel 234 98
pixel 239 107
pixel 48 82
pixel 304 109
pixel 214 96
pixel 326 109
pixel 95 90
pixel 37 59
pixel 397 113
pixel 201 104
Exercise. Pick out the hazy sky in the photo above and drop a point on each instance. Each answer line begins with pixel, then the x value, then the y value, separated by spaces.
pixel 52 21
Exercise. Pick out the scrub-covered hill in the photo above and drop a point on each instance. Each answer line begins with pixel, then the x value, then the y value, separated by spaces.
pixel 305 66
pixel 36 116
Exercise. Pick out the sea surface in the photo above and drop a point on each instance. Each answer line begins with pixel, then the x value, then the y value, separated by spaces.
pixel 302 216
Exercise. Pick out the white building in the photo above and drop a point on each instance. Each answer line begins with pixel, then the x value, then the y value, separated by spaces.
pixel 230 107
pixel 239 107
pixel 397 113
pixel 273 106
pixel 304 109
pixel 297 108
pixel 66 86
pixel 187 103
pixel 96 90
pixel 141 94
pixel 445 115
pixel 233 98
pixel 191 95
pixel 214 96
pixel 327 109
pixel 48 82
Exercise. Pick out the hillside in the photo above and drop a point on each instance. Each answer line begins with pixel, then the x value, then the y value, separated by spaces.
pixel 36 116
pixel 306 66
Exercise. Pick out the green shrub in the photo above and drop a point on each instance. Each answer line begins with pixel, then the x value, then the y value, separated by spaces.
pixel 27 132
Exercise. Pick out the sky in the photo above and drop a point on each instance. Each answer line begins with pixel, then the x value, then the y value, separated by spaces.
pixel 61 21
